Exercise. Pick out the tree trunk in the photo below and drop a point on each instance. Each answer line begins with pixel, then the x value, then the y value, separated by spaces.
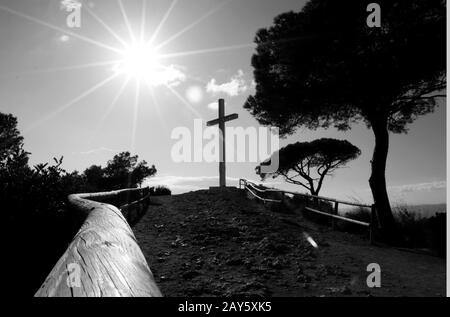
pixel 314 193
pixel 377 179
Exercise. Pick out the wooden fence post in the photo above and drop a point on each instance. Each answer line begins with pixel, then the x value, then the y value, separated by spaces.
pixel 335 212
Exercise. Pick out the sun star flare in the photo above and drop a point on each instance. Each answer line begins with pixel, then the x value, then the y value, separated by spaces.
pixel 141 62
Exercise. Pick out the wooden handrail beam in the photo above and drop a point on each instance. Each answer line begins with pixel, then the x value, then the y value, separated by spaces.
pixel 260 198
pixel 251 187
pixel 365 224
pixel 307 195
pixel 103 259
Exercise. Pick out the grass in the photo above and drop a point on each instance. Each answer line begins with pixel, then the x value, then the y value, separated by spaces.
pixel 415 230
pixel 422 232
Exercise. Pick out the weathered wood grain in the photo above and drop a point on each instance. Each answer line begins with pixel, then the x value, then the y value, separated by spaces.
pixel 105 250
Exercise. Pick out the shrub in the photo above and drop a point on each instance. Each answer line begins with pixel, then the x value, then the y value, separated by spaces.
pixel 357 213
pixel 160 191
pixel 420 232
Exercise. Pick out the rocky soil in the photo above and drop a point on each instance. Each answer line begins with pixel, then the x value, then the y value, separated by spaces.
pixel 225 244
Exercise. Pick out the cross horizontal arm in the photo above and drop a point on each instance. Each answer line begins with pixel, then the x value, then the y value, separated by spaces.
pixel 230 117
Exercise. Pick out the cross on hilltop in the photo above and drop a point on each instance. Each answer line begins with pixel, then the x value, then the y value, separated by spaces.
pixel 222 155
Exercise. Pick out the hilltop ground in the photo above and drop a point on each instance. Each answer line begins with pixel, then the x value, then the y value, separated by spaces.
pixel 224 244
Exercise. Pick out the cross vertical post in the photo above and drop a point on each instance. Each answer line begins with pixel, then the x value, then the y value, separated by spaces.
pixel 222 153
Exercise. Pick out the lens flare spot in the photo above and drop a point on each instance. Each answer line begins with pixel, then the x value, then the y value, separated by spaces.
pixel 194 94
pixel 310 240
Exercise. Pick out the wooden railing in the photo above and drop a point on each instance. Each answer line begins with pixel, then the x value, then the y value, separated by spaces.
pixel 103 259
pixel 259 193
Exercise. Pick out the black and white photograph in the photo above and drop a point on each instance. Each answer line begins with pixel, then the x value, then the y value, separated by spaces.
pixel 223 154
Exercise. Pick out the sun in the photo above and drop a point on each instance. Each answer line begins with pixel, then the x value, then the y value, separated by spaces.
pixel 139 61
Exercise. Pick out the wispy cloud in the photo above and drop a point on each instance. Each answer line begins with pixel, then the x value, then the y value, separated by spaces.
pixel 182 184
pixel 409 188
pixel 95 151
pixel 235 87
pixel 172 75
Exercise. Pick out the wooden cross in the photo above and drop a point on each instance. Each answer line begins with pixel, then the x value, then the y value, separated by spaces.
pixel 221 122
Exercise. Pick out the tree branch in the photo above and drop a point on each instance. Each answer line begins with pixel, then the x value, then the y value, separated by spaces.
pixel 322 176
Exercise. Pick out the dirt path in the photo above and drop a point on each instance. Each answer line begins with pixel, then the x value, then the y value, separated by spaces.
pixel 223 244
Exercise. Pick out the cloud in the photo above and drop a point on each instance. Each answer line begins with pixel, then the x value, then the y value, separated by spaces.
pixel 95 151
pixel 409 188
pixel 213 106
pixel 235 87
pixel 69 5
pixel 183 184
pixel 172 75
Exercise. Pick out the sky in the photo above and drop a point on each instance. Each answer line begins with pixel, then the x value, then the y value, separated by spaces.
pixel 87 93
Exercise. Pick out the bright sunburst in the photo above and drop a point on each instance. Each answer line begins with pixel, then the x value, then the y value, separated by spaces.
pixel 140 61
